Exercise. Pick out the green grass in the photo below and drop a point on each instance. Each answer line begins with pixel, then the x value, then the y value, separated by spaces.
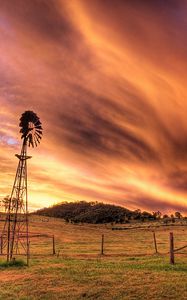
pixel 129 270
pixel 12 263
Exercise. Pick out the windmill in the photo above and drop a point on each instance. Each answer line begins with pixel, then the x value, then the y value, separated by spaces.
pixel 15 233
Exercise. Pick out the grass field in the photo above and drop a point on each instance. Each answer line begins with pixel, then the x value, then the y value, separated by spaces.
pixel 129 268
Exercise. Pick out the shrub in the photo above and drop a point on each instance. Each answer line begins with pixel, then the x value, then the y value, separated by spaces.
pixel 12 263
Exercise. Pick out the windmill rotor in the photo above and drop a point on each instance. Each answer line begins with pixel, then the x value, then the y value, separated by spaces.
pixel 31 128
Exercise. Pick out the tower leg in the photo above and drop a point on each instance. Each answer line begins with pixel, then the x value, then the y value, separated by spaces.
pixel 16 228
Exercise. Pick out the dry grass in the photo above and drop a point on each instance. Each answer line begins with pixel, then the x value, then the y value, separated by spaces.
pixel 128 270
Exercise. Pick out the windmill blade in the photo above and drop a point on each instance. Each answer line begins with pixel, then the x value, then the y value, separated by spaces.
pixel 37 123
pixel 31 129
pixel 39 131
pixel 38 135
pixel 29 142
pixel 37 139
pixel 39 127
pixel 32 143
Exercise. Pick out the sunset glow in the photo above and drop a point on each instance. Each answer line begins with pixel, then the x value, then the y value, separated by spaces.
pixel 108 81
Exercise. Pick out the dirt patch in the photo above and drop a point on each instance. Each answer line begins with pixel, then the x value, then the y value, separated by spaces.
pixel 11 276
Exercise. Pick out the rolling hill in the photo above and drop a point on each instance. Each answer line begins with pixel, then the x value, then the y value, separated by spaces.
pixel 93 212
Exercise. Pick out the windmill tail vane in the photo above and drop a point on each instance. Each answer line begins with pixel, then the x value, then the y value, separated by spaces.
pixel 15 234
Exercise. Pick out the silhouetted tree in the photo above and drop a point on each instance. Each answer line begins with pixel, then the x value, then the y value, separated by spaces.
pixel 157 215
pixel 4 203
pixel 178 215
pixel 165 216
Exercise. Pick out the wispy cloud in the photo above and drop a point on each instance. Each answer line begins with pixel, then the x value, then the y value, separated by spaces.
pixel 108 81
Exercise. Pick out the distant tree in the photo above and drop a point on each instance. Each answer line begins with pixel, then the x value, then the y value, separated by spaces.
pixel 165 216
pixel 146 216
pixel 121 220
pixel 165 221
pixel 157 215
pixel 137 214
pixel 178 215
pixel 172 218
pixel 4 203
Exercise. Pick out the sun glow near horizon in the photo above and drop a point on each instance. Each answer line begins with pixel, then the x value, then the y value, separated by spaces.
pixel 109 85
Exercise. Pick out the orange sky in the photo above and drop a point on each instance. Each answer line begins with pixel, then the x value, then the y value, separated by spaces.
pixel 108 81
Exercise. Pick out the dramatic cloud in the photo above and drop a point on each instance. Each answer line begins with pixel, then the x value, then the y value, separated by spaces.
pixel 108 80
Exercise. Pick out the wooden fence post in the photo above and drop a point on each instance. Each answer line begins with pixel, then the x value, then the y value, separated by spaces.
pixel 171 240
pixel 155 243
pixel 54 252
pixel 1 247
pixel 28 253
pixel 102 244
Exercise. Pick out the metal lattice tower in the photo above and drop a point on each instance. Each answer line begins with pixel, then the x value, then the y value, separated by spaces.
pixel 15 235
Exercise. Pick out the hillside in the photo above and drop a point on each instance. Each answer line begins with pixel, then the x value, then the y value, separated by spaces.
pixel 92 212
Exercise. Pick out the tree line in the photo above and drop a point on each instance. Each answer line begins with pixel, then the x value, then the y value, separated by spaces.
pixel 95 213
